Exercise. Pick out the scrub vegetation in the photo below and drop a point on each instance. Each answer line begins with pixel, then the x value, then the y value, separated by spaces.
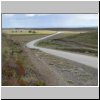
pixel 30 67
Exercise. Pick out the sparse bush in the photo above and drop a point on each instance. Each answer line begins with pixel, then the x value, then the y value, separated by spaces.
pixel 22 82
pixel 20 68
pixel 13 67
pixel 70 82
pixel 19 51
pixel 29 31
pixel 39 83
pixel 9 82
pixel 9 72
pixel 34 31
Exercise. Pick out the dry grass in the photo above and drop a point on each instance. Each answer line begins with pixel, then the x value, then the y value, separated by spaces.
pixel 17 69
pixel 27 32
pixel 86 43
pixel 40 83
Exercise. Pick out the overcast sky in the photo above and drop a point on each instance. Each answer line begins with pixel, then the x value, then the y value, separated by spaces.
pixel 49 20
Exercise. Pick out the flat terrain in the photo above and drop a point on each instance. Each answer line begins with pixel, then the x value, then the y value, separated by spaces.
pixel 25 67
pixel 28 32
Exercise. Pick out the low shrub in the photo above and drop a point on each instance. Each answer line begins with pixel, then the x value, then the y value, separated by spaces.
pixel 20 68
pixel 22 82
pixel 40 83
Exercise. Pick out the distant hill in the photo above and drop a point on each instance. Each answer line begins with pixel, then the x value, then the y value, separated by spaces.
pixel 57 29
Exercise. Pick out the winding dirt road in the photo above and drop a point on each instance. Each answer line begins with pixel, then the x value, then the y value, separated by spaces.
pixel 80 58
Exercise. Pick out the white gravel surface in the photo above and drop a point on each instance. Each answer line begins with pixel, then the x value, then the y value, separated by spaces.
pixel 80 58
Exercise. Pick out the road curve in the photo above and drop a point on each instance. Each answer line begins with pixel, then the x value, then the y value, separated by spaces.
pixel 80 58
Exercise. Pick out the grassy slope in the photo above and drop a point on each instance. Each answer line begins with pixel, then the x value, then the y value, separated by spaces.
pixel 88 38
pixel 82 43
pixel 16 68
pixel 13 63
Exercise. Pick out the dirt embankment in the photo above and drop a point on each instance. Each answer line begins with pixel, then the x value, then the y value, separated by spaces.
pixel 43 70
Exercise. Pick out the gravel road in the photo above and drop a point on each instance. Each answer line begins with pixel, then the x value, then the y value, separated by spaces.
pixel 80 58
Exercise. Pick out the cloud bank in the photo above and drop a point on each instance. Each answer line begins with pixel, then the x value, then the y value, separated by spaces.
pixel 49 20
